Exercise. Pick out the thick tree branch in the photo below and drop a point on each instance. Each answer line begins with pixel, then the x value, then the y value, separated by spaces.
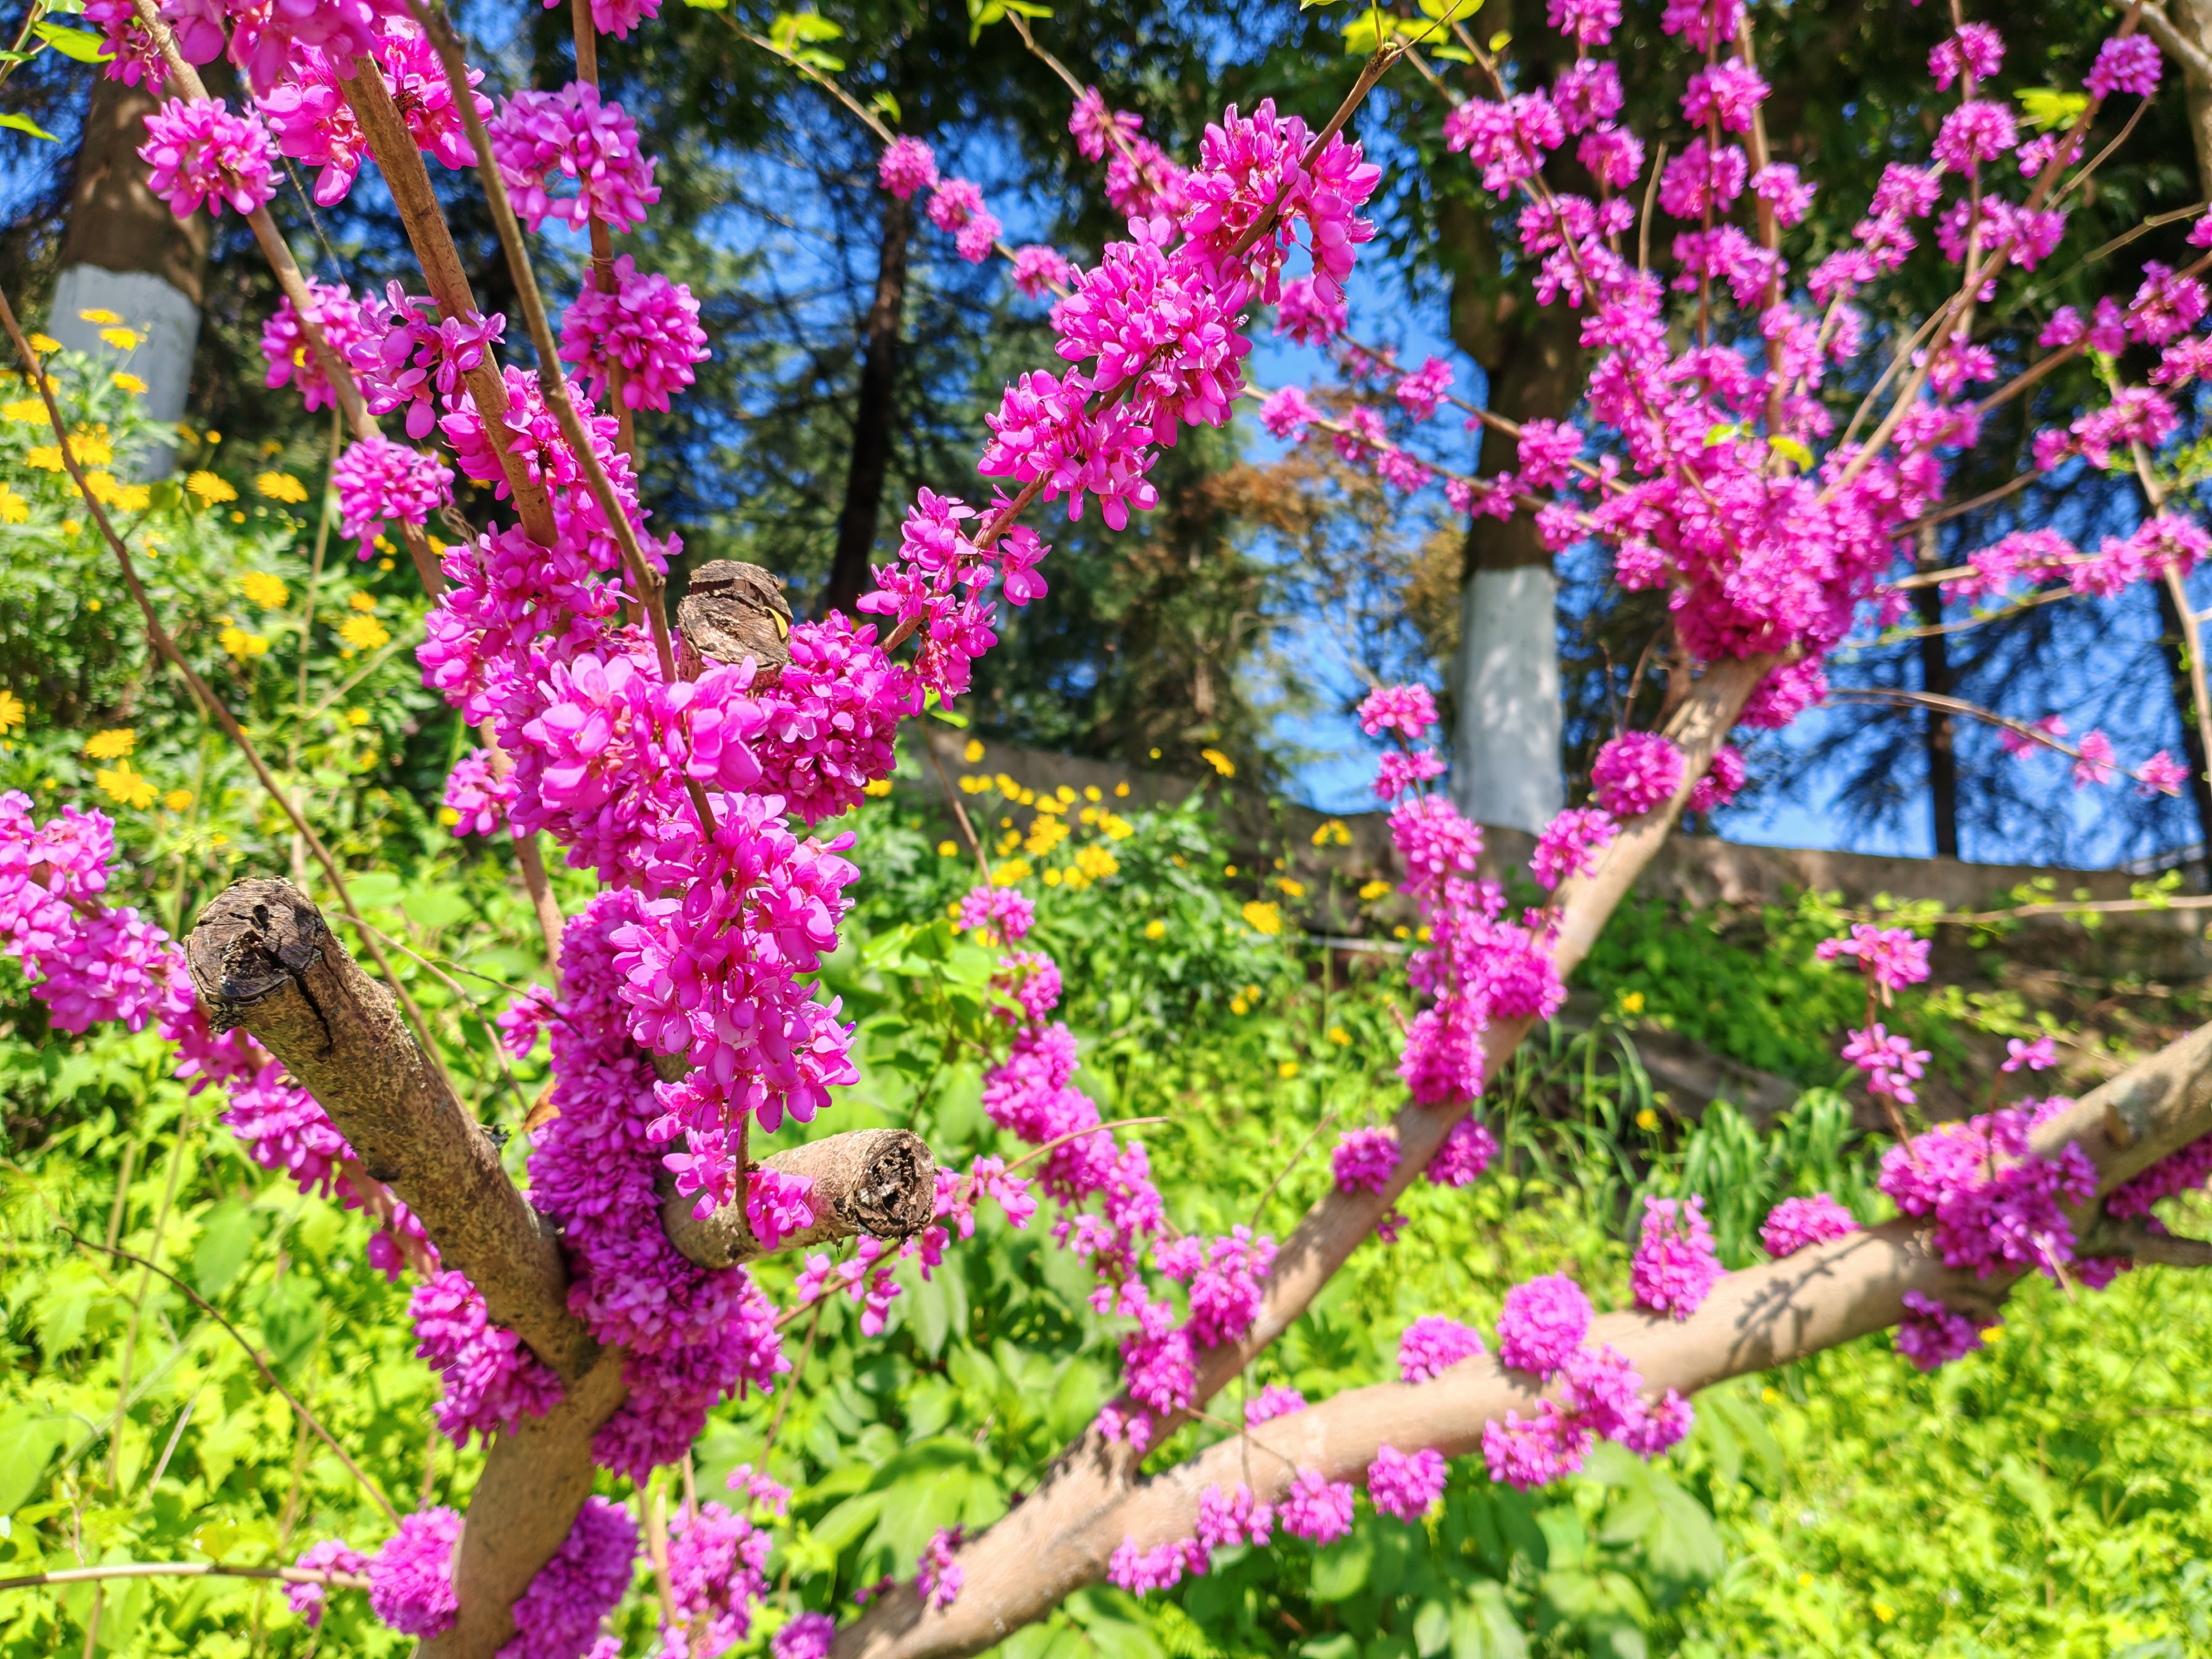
pixel 880 1182
pixel 1062 1536
pixel 1045 1546
pixel 262 958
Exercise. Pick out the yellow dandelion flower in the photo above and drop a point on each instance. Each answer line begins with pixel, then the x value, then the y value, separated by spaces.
pixel 1804 1581
pixel 1647 1120
pixel 47 458
pixel 1097 862
pixel 44 344
pixel 362 601
pixel 1263 918
pixel 1229 870
pixel 1631 1002
pixel 178 800
pixel 1239 1007
pixel 214 437
pixel 1884 1612
pixel 265 589
pixel 281 487
pixel 448 817
pixel 1286 1070
pixel 91 447
pixel 1044 835
pixel 238 518
pixel 14 509
pixel 946 849
pixel 123 340
pixel 12 711
pixel 1374 890
pixel 1116 828
pixel 1013 870
pixel 1291 889
pixel 1052 877
pixel 211 488
pixel 1401 931
pixel 24 411
pixel 99 317
pixel 972 752
pixel 111 745
pixel 1052 804
pixel 125 787
pixel 356 717
pixel 972 784
pixel 364 633
pixel 1156 929
pixel 1339 1037
pixel 1770 1396
pixel 876 787
pixel 1219 761
pixel 383 564
pixel 242 644
pixel 132 384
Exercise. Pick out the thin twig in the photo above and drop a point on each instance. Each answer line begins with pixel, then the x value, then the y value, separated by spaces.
pixel 187 1570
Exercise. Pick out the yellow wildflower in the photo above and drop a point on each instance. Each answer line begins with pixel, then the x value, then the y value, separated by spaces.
pixel 1631 1002
pixel 876 787
pixel 24 411
pixel 242 644
pixel 1263 918
pixel 1229 870
pixel 1052 804
pixel 265 589
pixel 124 498
pixel 1339 1037
pixel 111 745
pixel 1291 889
pixel 1052 877
pixel 1239 1007
pixel 1012 872
pixel 1097 862
pixel 43 343
pixel 47 458
pixel 11 710
pixel 178 800
pixel 210 489
pixel 946 849
pixel 123 340
pixel 1065 794
pixel 364 633
pixel 1219 761
pixel 125 787
pixel 1120 792
pixel 972 752
pixel 1009 841
pixel 1156 929
pixel 1091 792
pixel 1647 1120
pixel 1374 890
pixel 362 601
pixel 1770 1396
pixel 1401 931
pixel 132 384
pixel 1007 787
pixel 972 784
pixel 1044 835
pixel 1884 1612
pixel 99 317
pixel 1116 828
pixel 448 817
pixel 281 487
pixel 1805 1581
pixel 356 717
pixel 14 509
pixel 214 437
pixel 1286 1070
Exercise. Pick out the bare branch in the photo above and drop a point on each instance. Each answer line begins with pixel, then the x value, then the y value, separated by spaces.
pixel 880 1182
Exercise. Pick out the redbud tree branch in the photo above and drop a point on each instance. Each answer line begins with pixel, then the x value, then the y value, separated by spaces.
pixel 1060 1536
pixel 1755 1319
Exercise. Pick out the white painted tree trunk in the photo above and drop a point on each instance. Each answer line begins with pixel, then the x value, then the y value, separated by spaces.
pixel 1507 765
pixel 168 325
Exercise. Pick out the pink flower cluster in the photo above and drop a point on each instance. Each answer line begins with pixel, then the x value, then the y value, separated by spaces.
pixel 646 330
pixel 541 138
pixel 1432 1345
pixel 1675 1265
pixel 285 344
pixel 381 482
pixel 1796 1223
pixel 1892 957
pixel 1635 772
pixel 199 152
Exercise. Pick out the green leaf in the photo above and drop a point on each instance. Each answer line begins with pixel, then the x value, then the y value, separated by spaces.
pixel 25 123
pixel 85 48
pixel 376 889
pixel 708 5
pixel 886 106
pixel 1483 1626
pixel 1790 449
pixel 949 718
pixel 1721 432
pixel 1338 1646
pixel 1683 1542
pixel 28 1438
pixel 227 1239
pixel 1367 33
pixel 1432 1628
pixel 1343 1568
pixel 436 906
pixel 2047 106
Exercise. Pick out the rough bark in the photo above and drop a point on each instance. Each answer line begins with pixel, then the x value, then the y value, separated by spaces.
pixel 262 959
pixel 1062 1536
pixel 1935 678
pixel 1028 1561
pixel 880 1182
pixel 734 611
pixel 849 573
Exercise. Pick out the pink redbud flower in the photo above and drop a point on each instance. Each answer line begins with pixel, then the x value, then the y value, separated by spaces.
pixel 381 482
pixel 809 1635
pixel 906 166
pixel 1005 911
pixel 1432 1345
pixel 2128 64
pixel 1930 1335
pixel 2161 775
pixel 1636 772
pixel 1586 23
pixel 1891 1062
pixel 1570 843
pixel 1404 1487
pixel 1227 1516
pixel 1408 710
pixel 331 1555
pixel 1317 1509
pixel 539 137
pixel 1306 315
pixel 776 1204
pixel 1271 1403
pixel 410 1580
pixel 1977 50
pixel 1894 957
pixel 1365 1160
pixel 1038 269
pixel 1795 1223
pixel 1542 1322
pixel 1466 1151
pixel 1724 778
pixel 1729 92
pixel 937 1577
pixel 1675 1265
pixel 2039 1055
pixel 648 328
pixel 200 152
pixel 2095 764
pixel 1396 773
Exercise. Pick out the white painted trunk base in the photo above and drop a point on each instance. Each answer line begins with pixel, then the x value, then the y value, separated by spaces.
pixel 1507 769
pixel 168 328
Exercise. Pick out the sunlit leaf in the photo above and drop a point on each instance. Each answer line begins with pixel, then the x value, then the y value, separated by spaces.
pixel 84 47
pixel 2047 106
pixel 25 123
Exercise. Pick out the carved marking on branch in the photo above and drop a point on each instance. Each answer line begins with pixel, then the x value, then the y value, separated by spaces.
pixel 879 1182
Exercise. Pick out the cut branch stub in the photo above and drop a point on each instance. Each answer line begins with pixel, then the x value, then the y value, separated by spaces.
pixel 878 1181
pixel 734 611
pixel 263 958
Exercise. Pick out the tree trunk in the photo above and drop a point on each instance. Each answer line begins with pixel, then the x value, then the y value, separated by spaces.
pixel 1507 748
pixel 849 572
pixel 125 252
pixel 2170 642
pixel 1935 679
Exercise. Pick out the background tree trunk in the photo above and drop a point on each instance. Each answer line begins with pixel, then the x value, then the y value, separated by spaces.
pixel 125 252
pixel 849 572
pixel 1935 679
